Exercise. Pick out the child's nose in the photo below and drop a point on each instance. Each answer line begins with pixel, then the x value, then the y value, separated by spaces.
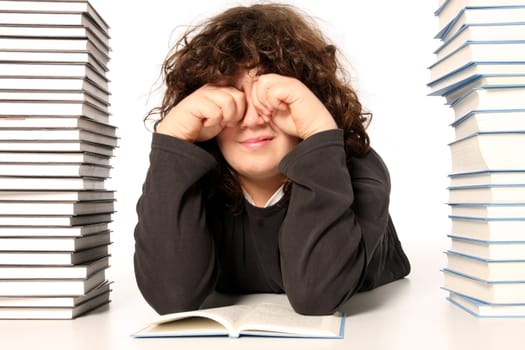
pixel 251 117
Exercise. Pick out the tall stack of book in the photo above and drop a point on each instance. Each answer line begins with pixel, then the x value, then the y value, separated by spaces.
pixel 56 144
pixel 480 71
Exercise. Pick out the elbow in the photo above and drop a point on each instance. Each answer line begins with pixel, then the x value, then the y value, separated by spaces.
pixel 326 293
pixel 174 301
pixel 314 301
pixel 165 296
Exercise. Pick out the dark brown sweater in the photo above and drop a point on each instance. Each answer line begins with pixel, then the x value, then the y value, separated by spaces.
pixel 329 237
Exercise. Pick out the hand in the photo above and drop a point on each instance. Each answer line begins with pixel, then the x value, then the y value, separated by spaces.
pixel 203 114
pixel 290 105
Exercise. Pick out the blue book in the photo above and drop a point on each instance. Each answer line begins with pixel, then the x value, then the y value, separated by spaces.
pixel 482 309
pixel 488 178
pixel 488 230
pixel 488 250
pixel 454 78
pixel 498 98
pixel 488 121
pixel 464 193
pixel 486 269
pixel 484 151
pixel 492 81
pixel 470 52
pixel 454 14
pixel 489 292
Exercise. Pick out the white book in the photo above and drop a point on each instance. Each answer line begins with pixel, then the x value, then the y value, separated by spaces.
pixel 92 33
pixel 56 157
pixel 41 70
pixel 28 122
pixel 79 271
pixel 55 44
pixel 448 11
pixel 54 57
pixel 487 178
pixel 53 108
pixel 28 195
pixel 493 33
pixel 55 146
pixel 58 96
pixel 487 194
pixel 477 52
pixel 482 122
pixel 482 309
pixel 36 83
pixel 464 74
pixel 56 208
pixel 48 18
pixel 53 9
pixel 59 244
pixel 52 302
pixel 53 220
pixel 51 287
pixel 57 134
pixel 488 210
pixel 54 170
pixel 52 258
pixel 53 231
pixel 489 230
pixel 488 250
pixel 486 269
pixel 498 293
pixel 500 13
pixel 54 313
pixel 486 82
pixel 492 99
pixel 50 183
pixel 488 151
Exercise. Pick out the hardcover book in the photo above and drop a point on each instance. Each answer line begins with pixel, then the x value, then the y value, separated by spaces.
pixel 487 152
pixel 488 250
pixel 512 292
pixel 486 269
pixel 481 309
pixel 54 313
pixel 51 287
pixel 487 121
pixel 488 230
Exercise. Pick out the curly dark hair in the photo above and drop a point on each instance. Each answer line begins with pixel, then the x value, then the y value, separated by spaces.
pixel 271 38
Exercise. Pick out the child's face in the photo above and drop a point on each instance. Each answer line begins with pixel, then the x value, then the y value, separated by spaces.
pixel 254 148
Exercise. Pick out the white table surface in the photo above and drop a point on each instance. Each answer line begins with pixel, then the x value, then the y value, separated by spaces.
pixel 408 314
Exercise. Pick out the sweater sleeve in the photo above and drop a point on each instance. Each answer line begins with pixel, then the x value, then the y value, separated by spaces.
pixel 174 253
pixel 335 221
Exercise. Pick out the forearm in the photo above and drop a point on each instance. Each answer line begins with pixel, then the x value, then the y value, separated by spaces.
pixel 324 251
pixel 174 253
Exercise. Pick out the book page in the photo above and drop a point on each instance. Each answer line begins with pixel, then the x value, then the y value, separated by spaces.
pixel 192 326
pixel 272 319
pixel 214 321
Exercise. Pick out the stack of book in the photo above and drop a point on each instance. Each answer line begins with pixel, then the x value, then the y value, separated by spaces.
pixel 480 71
pixel 56 147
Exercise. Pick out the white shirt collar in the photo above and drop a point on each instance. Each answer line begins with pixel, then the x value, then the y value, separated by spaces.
pixel 276 197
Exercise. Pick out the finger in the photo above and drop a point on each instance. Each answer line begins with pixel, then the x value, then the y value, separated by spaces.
pixel 231 102
pixel 207 111
pixel 258 98
pixel 277 96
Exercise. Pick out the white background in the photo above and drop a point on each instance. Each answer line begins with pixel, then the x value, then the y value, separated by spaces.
pixel 389 45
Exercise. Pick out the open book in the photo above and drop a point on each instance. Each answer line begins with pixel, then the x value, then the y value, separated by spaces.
pixel 264 319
